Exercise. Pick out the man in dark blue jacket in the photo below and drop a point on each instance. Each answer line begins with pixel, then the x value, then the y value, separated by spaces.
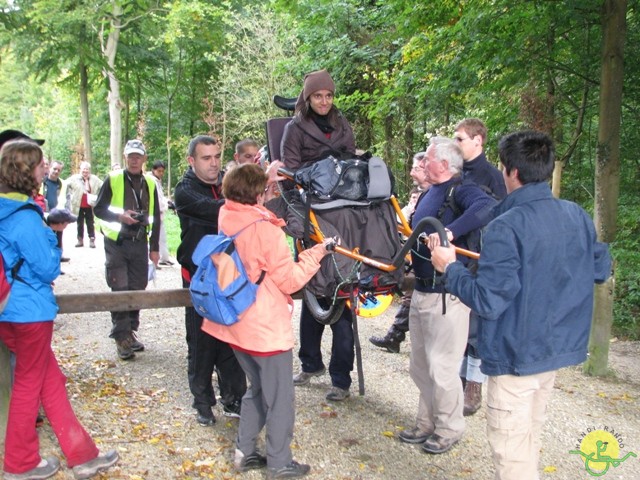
pixel 438 339
pixel 533 292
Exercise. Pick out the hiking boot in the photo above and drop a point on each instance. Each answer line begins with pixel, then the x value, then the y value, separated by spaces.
pixel 205 416
pixel 337 394
pixel 80 243
pixel 414 435
pixel 305 377
pixel 391 341
pixel 98 464
pixel 292 470
pixel 92 243
pixel 472 398
pixel 45 469
pixel 136 345
pixel 125 352
pixel 232 409
pixel 436 444
pixel 253 461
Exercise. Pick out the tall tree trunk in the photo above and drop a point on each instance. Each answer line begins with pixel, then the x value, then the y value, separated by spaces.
pixel 85 124
pixel 113 98
pixel 170 97
pixel 409 138
pixel 607 181
pixel 577 133
pixel 168 141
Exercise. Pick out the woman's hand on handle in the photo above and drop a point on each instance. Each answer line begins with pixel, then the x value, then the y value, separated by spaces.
pixel 329 244
pixel 272 172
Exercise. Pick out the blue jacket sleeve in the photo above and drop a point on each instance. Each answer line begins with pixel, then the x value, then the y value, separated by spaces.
pixel 497 282
pixel 602 259
pixel 476 209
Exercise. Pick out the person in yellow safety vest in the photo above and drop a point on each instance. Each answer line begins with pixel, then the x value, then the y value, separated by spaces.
pixel 130 222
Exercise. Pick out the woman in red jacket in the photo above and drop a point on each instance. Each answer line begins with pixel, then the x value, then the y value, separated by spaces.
pixel 262 339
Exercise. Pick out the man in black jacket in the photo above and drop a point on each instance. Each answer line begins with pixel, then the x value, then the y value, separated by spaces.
pixel 471 135
pixel 198 199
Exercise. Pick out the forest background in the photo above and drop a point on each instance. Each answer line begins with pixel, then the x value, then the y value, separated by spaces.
pixel 88 75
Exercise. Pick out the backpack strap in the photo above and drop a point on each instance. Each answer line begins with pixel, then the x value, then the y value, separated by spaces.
pixel 14 270
pixel 232 246
pixel 450 202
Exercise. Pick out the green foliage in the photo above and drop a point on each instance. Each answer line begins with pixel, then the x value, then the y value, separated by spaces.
pixel 626 251
pixel 172 226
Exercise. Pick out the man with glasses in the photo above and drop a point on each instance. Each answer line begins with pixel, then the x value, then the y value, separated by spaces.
pixel 398 330
pixel 127 207
pixel 471 135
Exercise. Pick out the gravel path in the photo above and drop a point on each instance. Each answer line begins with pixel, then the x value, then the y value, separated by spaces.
pixel 142 407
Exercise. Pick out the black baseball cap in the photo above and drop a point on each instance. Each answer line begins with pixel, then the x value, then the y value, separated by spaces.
pixel 7 135
pixel 61 215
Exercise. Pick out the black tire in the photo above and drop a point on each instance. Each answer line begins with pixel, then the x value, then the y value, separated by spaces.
pixel 325 316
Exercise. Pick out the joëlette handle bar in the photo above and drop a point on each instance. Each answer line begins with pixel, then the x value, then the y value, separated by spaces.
pixel 317 236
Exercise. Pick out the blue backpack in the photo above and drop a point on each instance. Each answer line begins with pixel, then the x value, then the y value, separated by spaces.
pixel 220 289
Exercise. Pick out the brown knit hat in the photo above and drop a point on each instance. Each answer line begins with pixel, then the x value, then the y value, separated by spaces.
pixel 314 81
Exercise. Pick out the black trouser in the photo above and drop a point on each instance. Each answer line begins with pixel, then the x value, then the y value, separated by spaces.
pixel 86 215
pixel 342 346
pixel 472 341
pixel 126 269
pixel 401 322
pixel 206 353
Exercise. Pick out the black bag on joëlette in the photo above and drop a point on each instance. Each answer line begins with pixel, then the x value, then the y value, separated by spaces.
pixel 332 179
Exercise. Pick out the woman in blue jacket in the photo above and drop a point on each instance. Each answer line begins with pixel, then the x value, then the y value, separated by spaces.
pixel 26 328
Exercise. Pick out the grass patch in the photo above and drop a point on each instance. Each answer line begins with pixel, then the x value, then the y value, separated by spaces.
pixel 172 226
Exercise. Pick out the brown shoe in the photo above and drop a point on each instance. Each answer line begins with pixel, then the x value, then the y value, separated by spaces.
pixel 472 398
pixel 414 435
pixel 436 444
pixel 125 352
pixel 80 243
pixel 92 243
pixel 136 344
pixel 305 377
